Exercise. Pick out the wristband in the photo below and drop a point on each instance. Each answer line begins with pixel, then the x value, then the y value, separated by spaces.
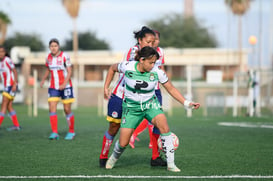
pixel 187 104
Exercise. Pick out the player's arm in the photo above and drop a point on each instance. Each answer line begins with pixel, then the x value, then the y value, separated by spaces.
pixel 111 72
pixel 14 86
pixel 68 77
pixel 44 77
pixel 178 96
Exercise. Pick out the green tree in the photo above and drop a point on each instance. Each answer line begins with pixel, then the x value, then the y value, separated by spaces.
pixel 87 41
pixel 31 40
pixel 182 32
pixel 4 21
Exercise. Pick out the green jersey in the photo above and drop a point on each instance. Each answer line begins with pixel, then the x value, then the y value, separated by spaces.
pixel 140 87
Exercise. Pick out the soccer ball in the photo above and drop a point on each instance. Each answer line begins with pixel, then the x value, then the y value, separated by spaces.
pixel 175 142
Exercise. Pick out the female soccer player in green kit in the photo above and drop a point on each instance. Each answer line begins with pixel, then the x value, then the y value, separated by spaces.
pixel 141 78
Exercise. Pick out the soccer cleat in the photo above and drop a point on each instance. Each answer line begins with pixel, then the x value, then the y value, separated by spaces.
pixel 103 162
pixel 111 162
pixel 14 128
pixel 53 136
pixel 173 168
pixel 158 162
pixel 70 136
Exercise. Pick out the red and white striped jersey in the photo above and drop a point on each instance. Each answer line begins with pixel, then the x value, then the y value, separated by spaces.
pixel 160 61
pixel 129 56
pixel 132 53
pixel 7 76
pixel 58 72
pixel 119 86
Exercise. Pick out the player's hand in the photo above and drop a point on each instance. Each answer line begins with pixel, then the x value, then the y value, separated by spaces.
pixel 106 93
pixel 13 88
pixel 194 105
pixel 191 105
pixel 42 83
pixel 62 87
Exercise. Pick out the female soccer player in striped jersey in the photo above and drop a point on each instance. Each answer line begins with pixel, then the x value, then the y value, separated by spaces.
pixel 9 79
pixel 144 37
pixel 59 67
pixel 141 78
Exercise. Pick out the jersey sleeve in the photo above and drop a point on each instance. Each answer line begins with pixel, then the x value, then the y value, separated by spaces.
pixel 122 66
pixel 130 56
pixel 162 77
pixel 9 63
pixel 67 60
pixel 46 62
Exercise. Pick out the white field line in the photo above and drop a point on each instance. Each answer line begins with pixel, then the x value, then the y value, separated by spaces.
pixel 140 177
pixel 246 125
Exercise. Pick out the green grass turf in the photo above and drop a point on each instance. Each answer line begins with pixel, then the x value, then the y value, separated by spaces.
pixel 205 147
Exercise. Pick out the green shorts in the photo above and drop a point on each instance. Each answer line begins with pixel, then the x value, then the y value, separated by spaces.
pixel 134 112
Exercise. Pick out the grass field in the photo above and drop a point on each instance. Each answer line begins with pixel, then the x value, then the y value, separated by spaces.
pixel 206 149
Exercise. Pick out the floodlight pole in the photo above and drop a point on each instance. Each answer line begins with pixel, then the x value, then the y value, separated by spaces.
pixel 259 72
pixel 35 93
pixel 76 64
pixel 189 88
pixel 235 95
pixel 252 41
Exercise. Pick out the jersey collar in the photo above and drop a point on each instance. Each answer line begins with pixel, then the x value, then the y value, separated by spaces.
pixel 143 73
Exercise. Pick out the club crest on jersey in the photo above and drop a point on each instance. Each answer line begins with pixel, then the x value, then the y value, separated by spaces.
pixel 123 120
pixel 152 77
pixel 59 60
pixel 49 60
pixel 114 114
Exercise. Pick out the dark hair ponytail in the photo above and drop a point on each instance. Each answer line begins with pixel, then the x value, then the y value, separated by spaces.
pixel 6 53
pixel 146 52
pixel 142 33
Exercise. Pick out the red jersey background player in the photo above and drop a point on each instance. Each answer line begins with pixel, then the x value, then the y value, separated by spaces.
pixel 59 67
pixel 10 80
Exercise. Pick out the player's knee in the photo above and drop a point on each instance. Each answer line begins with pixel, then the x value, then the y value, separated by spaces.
pixel 67 111
pixel 113 129
pixel 164 130
pixel 163 127
pixel 123 144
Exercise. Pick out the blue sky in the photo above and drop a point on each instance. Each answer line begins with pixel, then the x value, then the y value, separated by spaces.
pixel 115 20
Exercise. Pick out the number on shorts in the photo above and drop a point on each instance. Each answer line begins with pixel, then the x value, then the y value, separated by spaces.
pixel 67 92
pixel 12 93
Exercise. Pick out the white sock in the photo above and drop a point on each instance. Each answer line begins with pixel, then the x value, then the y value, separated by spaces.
pixel 118 150
pixel 168 148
